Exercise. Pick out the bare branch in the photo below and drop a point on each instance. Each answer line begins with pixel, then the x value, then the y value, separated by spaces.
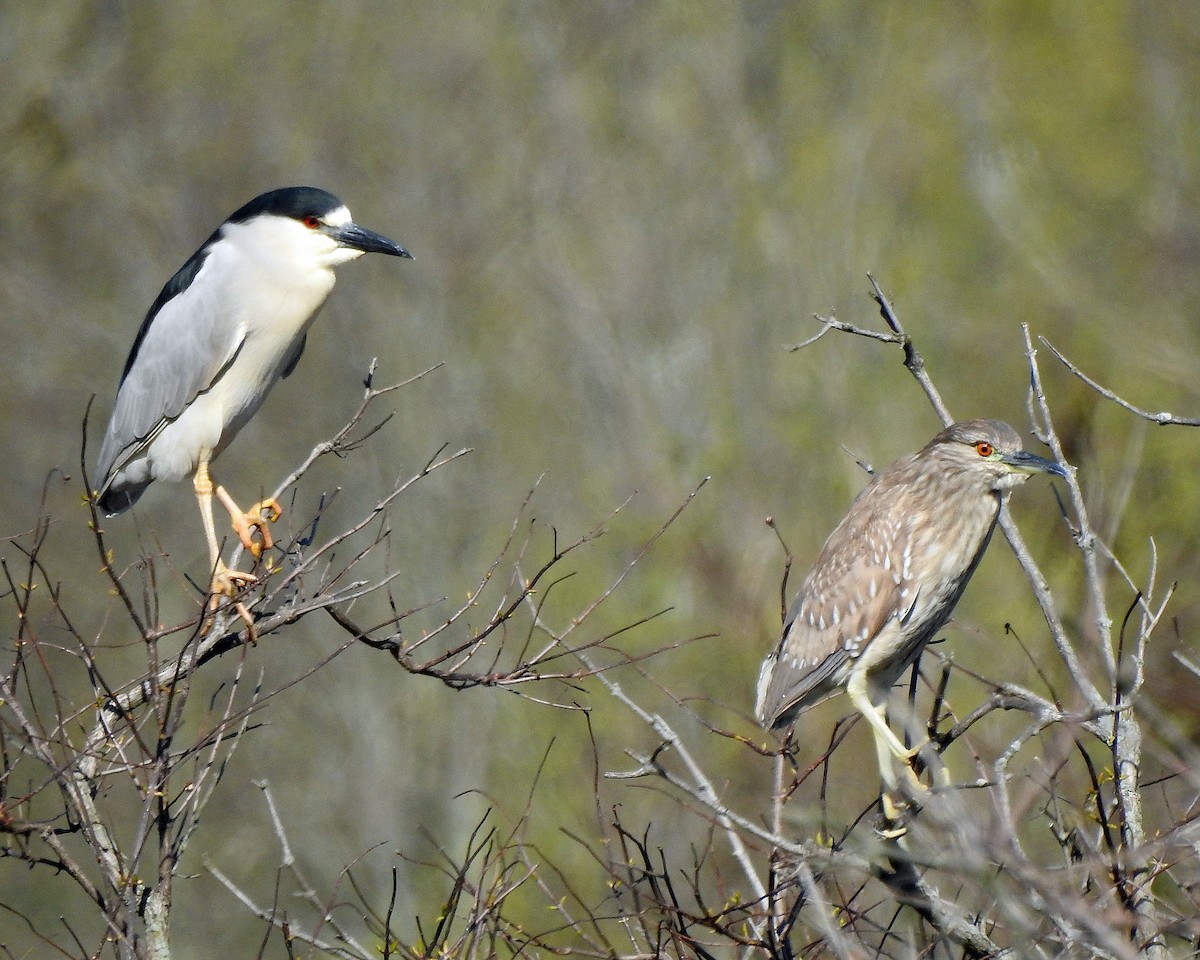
pixel 1162 418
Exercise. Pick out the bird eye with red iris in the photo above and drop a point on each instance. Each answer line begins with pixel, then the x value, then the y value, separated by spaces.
pixel 983 448
pixel 311 222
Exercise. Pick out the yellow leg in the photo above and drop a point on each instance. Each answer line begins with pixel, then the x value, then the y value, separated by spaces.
pixel 225 582
pixel 887 744
pixel 888 749
pixel 202 483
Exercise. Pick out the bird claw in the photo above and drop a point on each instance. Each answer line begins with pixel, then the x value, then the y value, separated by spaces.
pixel 913 779
pixel 897 810
pixel 228 584
pixel 904 799
pixel 907 755
pixel 931 763
pixel 245 523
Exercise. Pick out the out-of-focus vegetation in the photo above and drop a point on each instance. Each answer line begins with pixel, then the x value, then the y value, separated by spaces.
pixel 621 214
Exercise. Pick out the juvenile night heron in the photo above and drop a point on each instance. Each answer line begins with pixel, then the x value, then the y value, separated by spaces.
pixel 889 576
pixel 230 324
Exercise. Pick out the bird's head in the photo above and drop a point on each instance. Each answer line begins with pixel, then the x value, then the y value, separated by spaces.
pixel 309 227
pixel 989 450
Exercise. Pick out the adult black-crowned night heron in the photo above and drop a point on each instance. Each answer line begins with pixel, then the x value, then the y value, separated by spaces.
pixel 229 325
pixel 890 574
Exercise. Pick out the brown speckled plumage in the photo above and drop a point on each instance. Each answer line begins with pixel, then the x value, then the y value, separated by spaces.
pixel 891 572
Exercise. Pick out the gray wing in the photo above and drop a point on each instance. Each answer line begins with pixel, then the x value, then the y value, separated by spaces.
pixel 855 587
pixel 186 340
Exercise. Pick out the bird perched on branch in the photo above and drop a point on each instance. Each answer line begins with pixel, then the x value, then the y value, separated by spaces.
pixel 225 329
pixel 888 577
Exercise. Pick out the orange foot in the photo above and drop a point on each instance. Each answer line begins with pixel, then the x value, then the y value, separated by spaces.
pixel 228 583
pixel 245 522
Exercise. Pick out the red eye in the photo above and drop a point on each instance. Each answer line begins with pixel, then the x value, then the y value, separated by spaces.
pixel 984 449
pixel 311 222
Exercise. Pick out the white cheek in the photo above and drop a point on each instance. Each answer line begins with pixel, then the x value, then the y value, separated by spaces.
pixel 1006 481
pixel 340 255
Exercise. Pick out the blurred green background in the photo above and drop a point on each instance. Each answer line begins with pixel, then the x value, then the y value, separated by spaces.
pixel 621 214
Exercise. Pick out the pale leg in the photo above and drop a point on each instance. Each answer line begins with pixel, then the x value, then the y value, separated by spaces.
pixel 888 749
pixel 225 582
